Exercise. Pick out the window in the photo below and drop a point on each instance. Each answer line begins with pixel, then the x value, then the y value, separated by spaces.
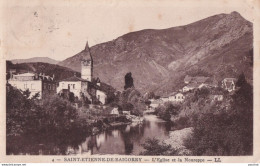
pixel 49 86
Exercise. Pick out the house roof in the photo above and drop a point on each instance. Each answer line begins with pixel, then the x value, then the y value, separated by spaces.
pixel 228 85
pixel 187 78
pixel 229 79
pixel 25 75
pixel 192 85
pixel 200 79
pixel 174 94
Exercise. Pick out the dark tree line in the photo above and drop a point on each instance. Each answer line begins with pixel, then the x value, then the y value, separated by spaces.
pixel 31 123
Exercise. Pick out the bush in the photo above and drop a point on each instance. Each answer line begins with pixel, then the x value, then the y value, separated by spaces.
pixel 153 147
pixel 166 111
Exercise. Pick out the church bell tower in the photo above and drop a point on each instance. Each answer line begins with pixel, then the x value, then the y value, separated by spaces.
pixel 87 64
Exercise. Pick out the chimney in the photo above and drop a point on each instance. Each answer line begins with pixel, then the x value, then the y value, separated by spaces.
pixel 36 76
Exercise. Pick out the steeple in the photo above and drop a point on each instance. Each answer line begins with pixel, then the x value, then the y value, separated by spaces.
pixel 87 47
pixel 87 64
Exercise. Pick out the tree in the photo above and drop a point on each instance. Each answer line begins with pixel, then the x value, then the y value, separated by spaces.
pixel 166 111
pixel 30 122
pixel 129 81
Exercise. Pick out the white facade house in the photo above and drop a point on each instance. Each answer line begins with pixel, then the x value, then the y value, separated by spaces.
pixel 114 111
pixel 73 84
pixel 176 97
pixel 218 97
pixel 33 82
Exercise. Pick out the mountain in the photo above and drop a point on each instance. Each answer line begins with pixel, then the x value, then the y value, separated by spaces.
pixel 35 59
pixel 218 46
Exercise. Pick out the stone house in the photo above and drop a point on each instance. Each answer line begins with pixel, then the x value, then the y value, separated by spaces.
pixel 35 83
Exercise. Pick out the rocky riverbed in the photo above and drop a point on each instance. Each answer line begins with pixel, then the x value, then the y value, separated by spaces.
pixel 177 138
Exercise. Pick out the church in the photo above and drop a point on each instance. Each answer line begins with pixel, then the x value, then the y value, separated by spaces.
pixel 84 87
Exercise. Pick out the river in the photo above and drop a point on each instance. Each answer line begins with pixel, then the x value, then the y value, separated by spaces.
pixel 125 139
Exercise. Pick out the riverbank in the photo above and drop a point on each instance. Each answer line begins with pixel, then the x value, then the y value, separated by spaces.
pixel 177 139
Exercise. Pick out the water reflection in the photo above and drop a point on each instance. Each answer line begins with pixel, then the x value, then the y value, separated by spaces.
pixel 121 140
pixel 128 139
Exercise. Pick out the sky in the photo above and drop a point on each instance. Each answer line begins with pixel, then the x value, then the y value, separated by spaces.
pixel 59 29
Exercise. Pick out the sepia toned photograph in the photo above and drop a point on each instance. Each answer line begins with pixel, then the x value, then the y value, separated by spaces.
pixel 128 78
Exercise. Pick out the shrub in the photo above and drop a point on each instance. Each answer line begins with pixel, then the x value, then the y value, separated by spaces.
pixel 153 147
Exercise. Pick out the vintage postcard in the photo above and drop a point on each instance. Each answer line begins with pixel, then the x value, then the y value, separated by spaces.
pixel 130 81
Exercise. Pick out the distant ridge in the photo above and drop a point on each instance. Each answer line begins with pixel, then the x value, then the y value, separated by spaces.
pixel 35 59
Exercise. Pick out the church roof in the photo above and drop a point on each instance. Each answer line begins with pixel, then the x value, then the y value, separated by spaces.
pixel 86 53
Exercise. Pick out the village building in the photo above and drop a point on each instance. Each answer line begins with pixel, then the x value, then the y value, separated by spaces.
pixel 176 97
pixel 85 87
pixel 217 97
pixel 190 87
pixel 229 84
pixel 198 82
pixel 114 111
pixel 164 99
pixel 36 83
pixel 74 84
pixel 207 85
